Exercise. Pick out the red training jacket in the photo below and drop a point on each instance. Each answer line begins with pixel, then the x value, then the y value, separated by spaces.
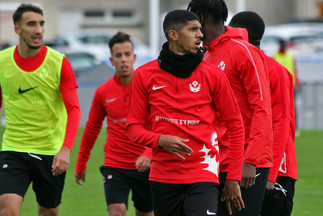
pixel 282 99
pixel 245 69
pixel 187 108
pixel 111 101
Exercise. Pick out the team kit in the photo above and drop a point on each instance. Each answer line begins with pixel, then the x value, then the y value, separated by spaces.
pixel 207 128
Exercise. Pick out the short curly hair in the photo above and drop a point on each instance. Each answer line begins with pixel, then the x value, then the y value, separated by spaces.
pixel 217 9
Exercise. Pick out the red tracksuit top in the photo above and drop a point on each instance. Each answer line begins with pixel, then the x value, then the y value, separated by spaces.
pixel 111 101
pixel 245 69
pixel 282 99
pixel 187 108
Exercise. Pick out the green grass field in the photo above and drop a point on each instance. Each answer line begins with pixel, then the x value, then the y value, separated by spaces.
pixel 88 199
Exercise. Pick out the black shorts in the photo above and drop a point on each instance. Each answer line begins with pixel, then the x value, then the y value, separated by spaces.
pixel 279 202
pixel 252 197
pixel 196 199
pixel 18 170
pixel 118 182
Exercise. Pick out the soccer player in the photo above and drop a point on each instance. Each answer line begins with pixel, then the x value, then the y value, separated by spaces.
pixel 288 60
pixel 38 90
pixel 126 164
pixel 181 96
pixel 244 67
pixel 283 174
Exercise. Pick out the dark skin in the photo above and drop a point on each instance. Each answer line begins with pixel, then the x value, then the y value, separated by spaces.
pixel 211 30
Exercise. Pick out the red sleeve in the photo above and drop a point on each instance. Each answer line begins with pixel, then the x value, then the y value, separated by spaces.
pixel 91 132
pixel 256 85
pixel 147 153
pixel 68 90
pixel 137 115
pixel 229 113
pixel 280 82
pixel 138 134
pixel 68 80
pixel 72 105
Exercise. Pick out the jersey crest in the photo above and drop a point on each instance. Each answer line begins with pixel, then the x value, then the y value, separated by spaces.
pixel 195 86
pixel 222 65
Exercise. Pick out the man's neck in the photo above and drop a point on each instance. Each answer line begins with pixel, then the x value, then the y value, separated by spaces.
pixel 173 46
pixel 212 30
pixel 26 52
pixel 125 81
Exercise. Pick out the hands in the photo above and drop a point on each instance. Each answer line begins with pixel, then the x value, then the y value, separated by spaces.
pixel 143 164
pixel 80 178
pixel 61 161
pixel 270 185
pixel 174 145
pixel 232 195
pixel 248 178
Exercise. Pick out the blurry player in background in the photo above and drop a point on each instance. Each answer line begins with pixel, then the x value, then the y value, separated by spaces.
pixel 126 164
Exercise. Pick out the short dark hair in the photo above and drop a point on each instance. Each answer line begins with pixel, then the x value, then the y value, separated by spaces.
pixel 176 19
pixel 216 8
pixel 17 15
pixel 251 21
pixel 282 43
pixel 119 37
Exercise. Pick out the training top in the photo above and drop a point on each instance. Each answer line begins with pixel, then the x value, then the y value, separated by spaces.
pixel 282 99
pixel 245 69
pixel 36 117
pixel 110 101
pixel 186 108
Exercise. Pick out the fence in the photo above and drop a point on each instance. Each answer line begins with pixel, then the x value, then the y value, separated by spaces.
pixel 309 101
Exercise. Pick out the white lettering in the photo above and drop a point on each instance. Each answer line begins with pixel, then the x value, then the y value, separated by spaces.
pixel 177 121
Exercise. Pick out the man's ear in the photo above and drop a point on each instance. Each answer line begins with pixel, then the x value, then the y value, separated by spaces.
pixel 17 29
pixel 202 20
pixel 173 35
pixel 111 60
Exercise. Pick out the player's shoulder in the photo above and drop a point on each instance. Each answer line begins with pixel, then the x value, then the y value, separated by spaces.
pixel 8 50
pixel 106 87
pixel 151 65
pixel 108 83
pixel 54 53
pixel 243 46
pixel 6 54
pixel 209 68
pixel 273 64
pixel 49 49
pixel 147 69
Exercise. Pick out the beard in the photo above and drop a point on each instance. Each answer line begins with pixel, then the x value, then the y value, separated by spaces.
pixel 31 46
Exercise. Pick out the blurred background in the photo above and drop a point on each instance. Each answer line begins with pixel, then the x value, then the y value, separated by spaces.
pixel 81 29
